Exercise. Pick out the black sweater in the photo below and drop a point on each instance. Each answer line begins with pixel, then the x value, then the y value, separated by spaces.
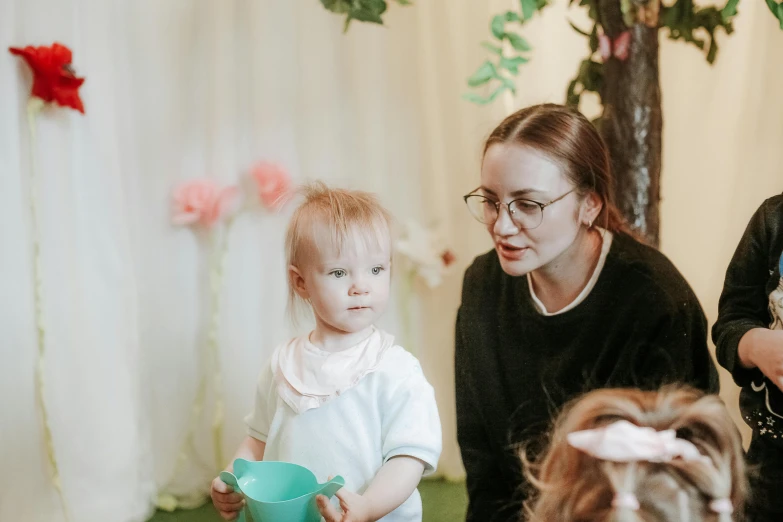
pixel 640 326
pixel 744 304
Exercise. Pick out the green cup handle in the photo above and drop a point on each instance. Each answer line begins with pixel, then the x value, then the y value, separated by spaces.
pixel 332 487
pixel 231 480
pixel 241 517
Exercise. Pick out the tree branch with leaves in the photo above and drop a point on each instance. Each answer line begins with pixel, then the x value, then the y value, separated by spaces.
pixel 621 66
pixel 362 10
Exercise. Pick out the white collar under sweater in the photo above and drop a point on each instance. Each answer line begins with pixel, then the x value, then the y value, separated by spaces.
pixel 307 376
pixel 606 238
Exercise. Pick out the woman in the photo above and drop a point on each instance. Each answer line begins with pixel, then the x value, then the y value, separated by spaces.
pixel 566 302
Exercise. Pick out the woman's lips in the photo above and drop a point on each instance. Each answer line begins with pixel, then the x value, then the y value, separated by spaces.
pixel 511 252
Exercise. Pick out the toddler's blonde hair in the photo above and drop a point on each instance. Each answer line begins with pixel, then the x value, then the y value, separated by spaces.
pixel 572 486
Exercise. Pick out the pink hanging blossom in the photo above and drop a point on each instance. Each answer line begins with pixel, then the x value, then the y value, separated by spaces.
pixel 273 185
pixel 620 48
pixel 201 201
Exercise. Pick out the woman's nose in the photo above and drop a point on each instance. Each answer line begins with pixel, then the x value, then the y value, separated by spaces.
pixel 504 225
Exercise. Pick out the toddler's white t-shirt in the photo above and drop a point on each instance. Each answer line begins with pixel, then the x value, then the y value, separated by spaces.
pixel 390 412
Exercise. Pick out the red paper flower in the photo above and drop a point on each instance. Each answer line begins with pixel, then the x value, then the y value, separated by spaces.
pixel 448 257
pixel 53 77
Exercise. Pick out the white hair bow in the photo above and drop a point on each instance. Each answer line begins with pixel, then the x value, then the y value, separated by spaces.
pixel 623 441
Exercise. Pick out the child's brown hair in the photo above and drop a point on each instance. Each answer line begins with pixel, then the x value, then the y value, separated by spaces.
pixel 574 486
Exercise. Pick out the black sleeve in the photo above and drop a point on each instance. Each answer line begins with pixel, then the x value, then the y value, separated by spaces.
pixel 487 490
pixel 743 302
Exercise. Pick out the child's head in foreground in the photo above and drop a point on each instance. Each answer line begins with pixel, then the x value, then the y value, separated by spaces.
pixel 627 455
pixel 338 252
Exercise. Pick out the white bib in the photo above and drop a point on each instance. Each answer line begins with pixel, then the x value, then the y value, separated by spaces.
pixel 307 376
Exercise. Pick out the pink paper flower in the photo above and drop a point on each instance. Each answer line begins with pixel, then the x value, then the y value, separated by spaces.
pixel 620 48
pixel 201 201
pixel 604 47
pixel 273 185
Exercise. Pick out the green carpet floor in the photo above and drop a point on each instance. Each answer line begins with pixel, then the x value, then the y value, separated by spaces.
pixel 443 502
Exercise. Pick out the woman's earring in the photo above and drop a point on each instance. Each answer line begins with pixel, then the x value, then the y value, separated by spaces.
pixel 589 224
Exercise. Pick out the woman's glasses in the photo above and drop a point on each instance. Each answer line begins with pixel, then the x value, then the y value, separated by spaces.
pixel 525 213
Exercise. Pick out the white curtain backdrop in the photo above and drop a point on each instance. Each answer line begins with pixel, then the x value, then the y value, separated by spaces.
pixel 195 88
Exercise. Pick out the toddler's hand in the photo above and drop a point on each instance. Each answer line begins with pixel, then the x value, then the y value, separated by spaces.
pixel 228 503
pixel 355 508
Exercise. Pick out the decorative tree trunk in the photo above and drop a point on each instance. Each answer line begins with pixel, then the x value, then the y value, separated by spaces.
pixel 631 123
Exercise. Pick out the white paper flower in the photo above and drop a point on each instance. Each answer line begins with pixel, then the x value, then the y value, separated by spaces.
pixel 425 250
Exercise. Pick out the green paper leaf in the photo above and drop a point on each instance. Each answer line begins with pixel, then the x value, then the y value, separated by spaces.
pixel 483 74
pixel 528 8
pixel 508 83
pixel 517 42
pixel 687 22
pixel 669 16
pixel 367 16
pixel 712 52
pixel 591 75
pixel 498 26
pixel 512 64
pixel 481 100
pixel 362 10
pixel 337 6
pixel 628 12
pixel 572 97
pixel 592 8
pixel 475 98
pixel 777 10
pixel 511 16
pixel 730 9
pixel 492 48
pixel 594 39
